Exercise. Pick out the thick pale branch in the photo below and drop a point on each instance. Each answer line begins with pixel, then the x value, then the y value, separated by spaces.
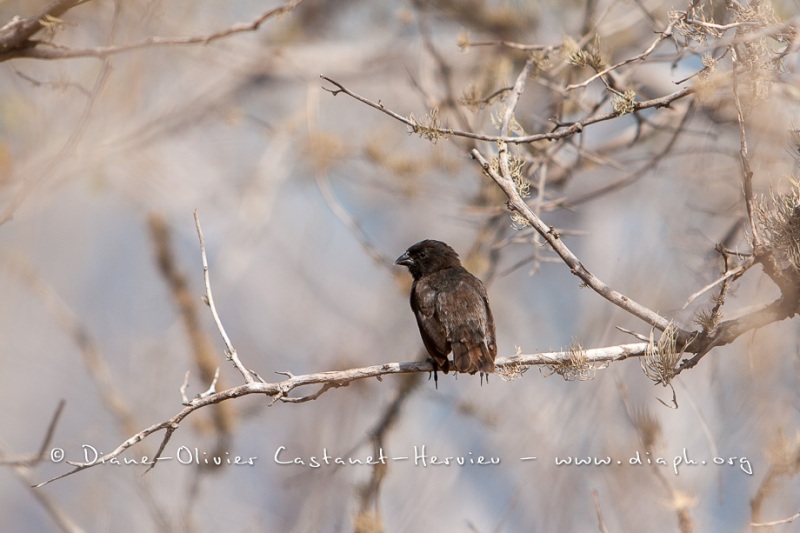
pixel 340 378
pixel 516 203
pixel 594 355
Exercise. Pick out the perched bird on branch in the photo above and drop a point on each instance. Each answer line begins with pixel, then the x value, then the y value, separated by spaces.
pixel 451 308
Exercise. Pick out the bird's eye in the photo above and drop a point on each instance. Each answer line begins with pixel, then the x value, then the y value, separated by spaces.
pixel 423 255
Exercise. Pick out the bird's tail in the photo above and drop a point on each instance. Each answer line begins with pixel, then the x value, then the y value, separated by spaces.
pixel 471 357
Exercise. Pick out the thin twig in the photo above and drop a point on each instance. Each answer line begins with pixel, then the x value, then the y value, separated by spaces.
pixel 565 130
pixel 639 336
pixel 230 351
pixel 758 243
pixel 517 46
pixel 511 105
pixel 513 99
pixel 377 105
pixel 666 34
pixel 733 272
pixel 212 388
pixel 22 466
pixel 776 522
pixel 201 345
pixel 724 27
pixel 184 387
pixel 322 390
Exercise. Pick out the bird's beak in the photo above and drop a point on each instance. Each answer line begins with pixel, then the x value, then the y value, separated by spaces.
pixel 404 259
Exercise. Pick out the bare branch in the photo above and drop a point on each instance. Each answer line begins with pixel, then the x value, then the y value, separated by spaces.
pixel 184 388
pixel 776 522
pixel 515 46
pixel 511 105
pixel 322 390
pixel 45 50
pixel 666 34
pixel 230 351
pixel 16 33
pixel 729 274
pixel 729 330
pixel 21 469
pixel 723 27
pixel 335 379
pixel 564 130
pixel 201 346
pixel 379 106
pixel 518 205
pixel 212 388
pixel 639 336
pixel 758 243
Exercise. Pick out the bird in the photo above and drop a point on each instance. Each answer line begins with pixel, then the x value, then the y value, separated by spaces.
pixel 452 310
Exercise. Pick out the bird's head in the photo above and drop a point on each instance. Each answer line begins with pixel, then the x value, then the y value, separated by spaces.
pixel 428 257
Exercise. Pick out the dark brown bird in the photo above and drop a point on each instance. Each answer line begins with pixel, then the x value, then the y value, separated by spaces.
pixel 451 308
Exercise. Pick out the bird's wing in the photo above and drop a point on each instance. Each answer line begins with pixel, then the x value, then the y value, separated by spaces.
pixel 463 310
pixel 434 336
